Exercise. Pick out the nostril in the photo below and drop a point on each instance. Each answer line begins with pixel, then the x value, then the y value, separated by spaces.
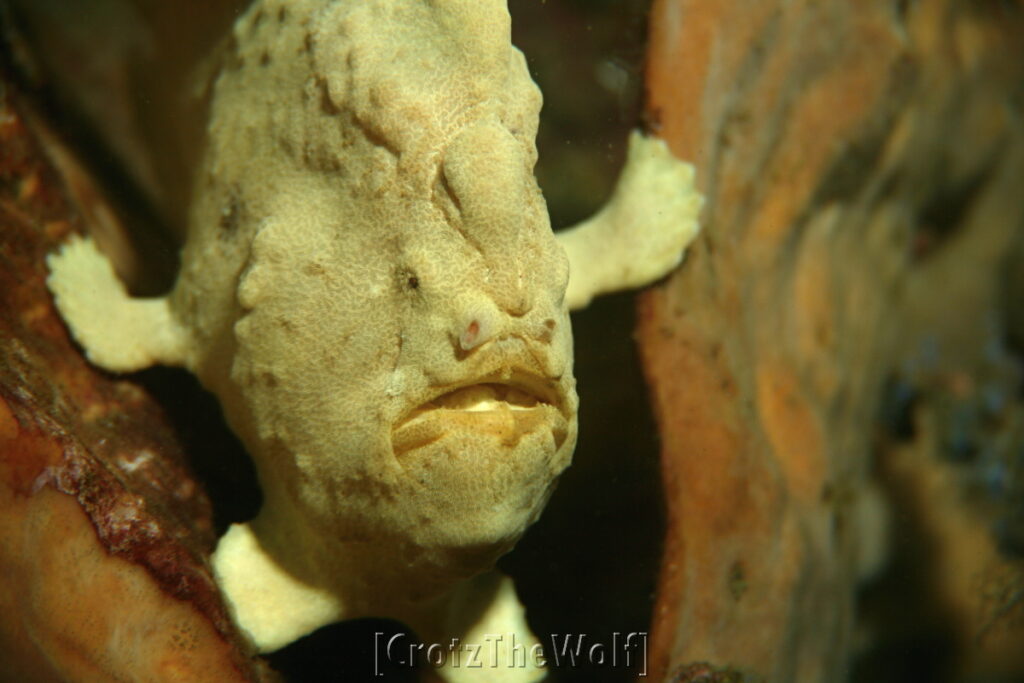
pixel 470 337
pixel 477 324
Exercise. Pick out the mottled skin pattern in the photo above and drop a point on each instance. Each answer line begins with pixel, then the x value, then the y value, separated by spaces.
pixel 372 288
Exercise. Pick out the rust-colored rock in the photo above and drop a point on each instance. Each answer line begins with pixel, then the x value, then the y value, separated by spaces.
pixel 861 163
pixel 106 531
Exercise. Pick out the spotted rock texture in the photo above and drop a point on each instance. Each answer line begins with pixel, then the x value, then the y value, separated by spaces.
pixel 106 531
pixel 861 164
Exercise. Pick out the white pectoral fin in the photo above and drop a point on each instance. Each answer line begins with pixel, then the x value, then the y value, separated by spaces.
pixel 269 604
pixel 643 231
pixel 118 332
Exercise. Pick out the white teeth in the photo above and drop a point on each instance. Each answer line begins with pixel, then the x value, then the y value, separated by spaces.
pixel 483 397
pixel 464 399
pixel 481 406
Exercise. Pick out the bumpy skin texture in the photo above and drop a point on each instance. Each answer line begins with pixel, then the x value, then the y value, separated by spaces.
pixel 372 288
pixel 361 214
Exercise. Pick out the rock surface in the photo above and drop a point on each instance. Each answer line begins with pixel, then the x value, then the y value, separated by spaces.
pixel 861 163
pixel 106 531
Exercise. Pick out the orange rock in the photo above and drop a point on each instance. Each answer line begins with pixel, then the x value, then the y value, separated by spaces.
pixel 829 139
pixel 105 531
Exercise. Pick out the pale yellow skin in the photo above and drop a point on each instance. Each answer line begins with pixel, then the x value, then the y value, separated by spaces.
pixel 372 289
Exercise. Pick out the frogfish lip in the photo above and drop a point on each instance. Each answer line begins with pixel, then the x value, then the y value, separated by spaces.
pixel 504 406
